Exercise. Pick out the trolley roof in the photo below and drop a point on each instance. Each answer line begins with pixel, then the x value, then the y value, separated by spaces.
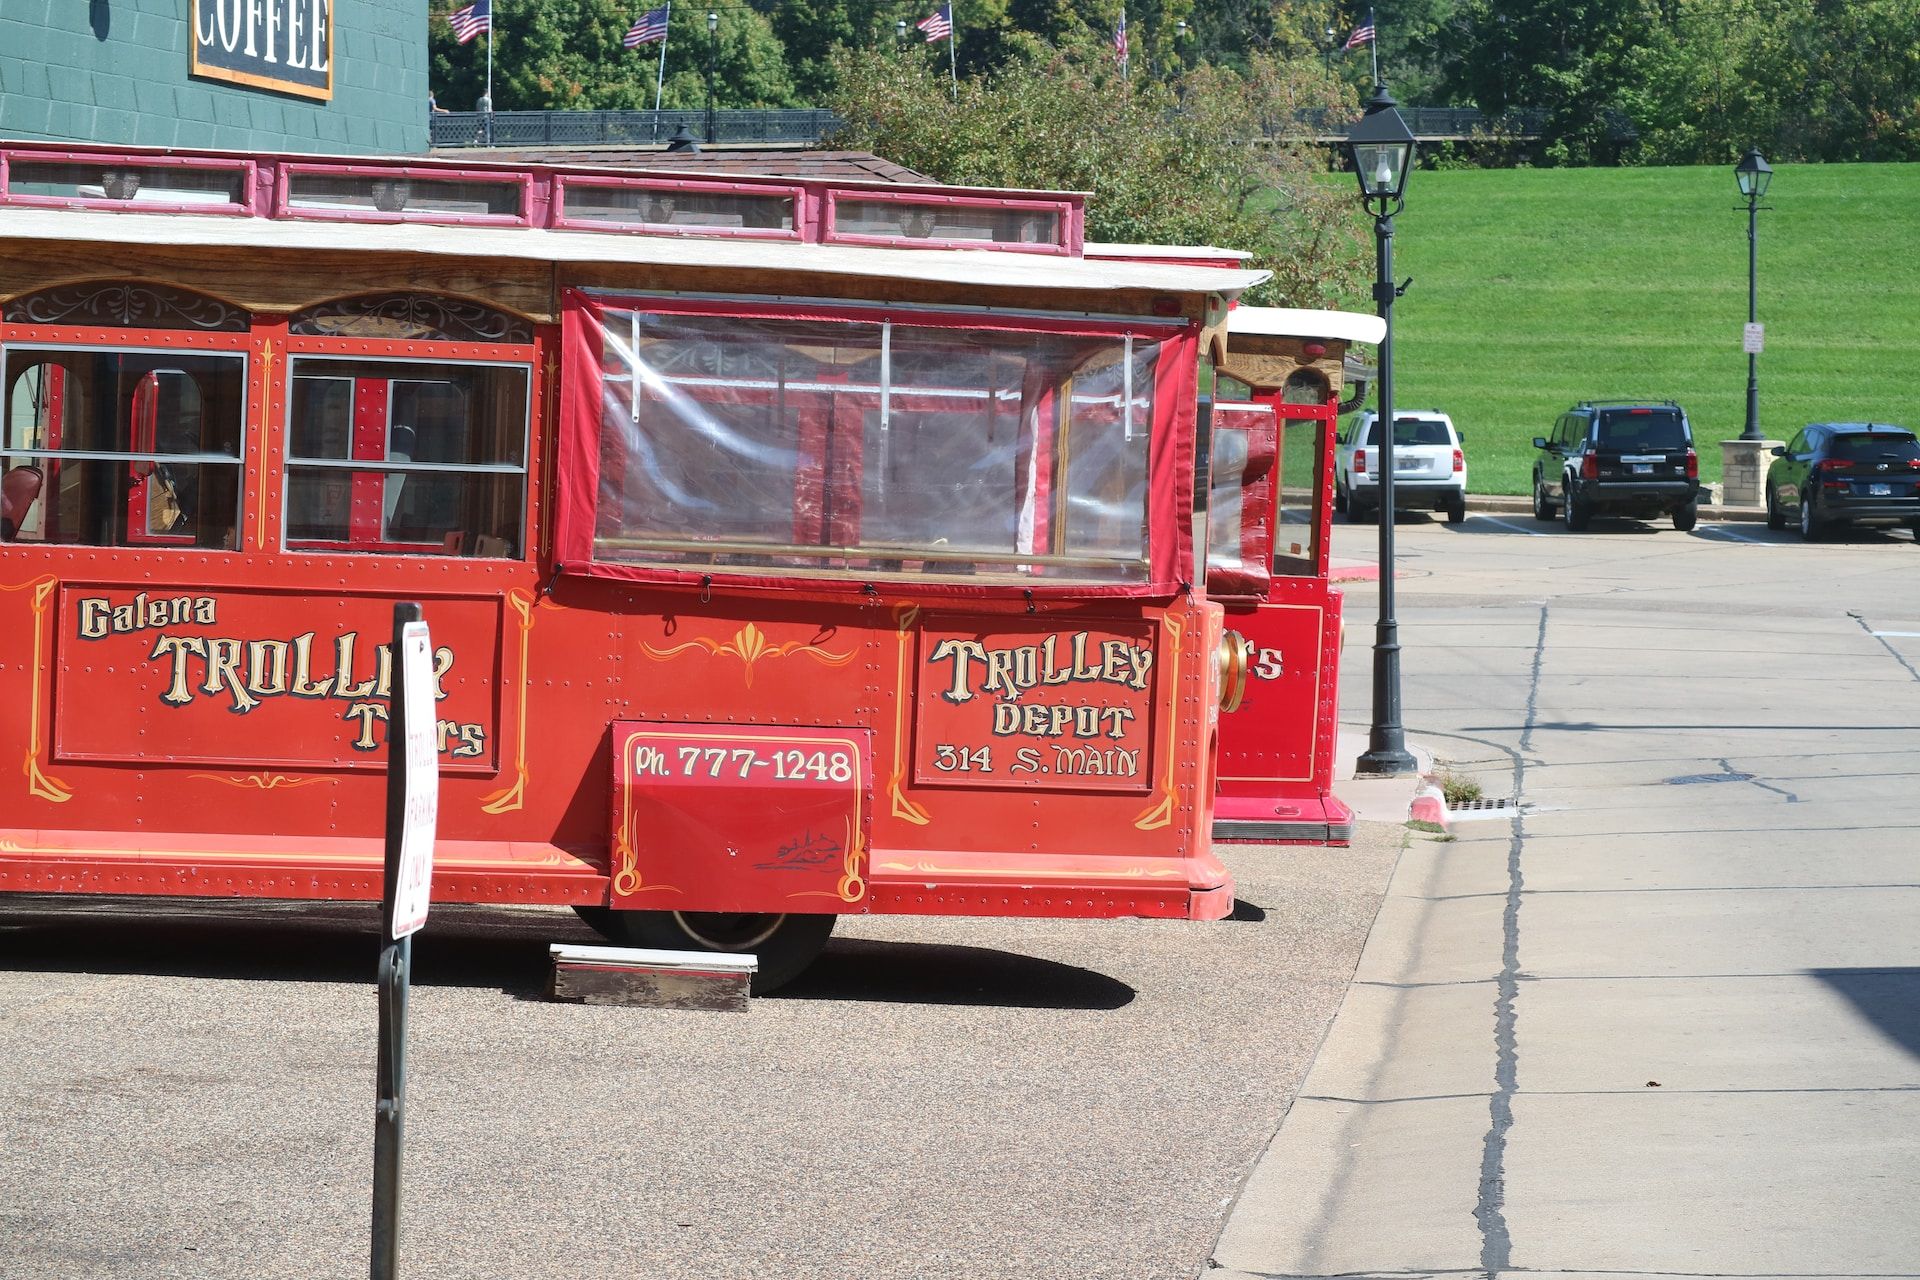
pixel 1291 322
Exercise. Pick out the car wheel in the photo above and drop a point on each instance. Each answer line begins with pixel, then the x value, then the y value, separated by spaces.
pixel 1542 508
pixel 1578 510
pixel 1684 518
pixel 1812 528
pixel 1456 508
pixel 783 944
pixel 1776 518
pixel 1356 511
pixel 1339 497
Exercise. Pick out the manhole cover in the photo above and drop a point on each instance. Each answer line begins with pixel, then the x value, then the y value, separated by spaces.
pixel 1695 779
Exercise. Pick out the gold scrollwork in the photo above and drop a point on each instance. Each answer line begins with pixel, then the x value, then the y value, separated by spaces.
pixel 749 644
pixel 904 617
pixel 39 784
pixel 1159 815
pixel 266 413
pixel 259 781
pixel 508 799
pixel 626 863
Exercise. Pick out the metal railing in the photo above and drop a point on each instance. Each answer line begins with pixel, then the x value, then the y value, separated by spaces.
pixel 807 127
pixel 634 128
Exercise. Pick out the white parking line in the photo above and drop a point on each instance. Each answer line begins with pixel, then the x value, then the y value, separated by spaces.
pixel 1901 635
pixel 1517 528
pixel 1720 530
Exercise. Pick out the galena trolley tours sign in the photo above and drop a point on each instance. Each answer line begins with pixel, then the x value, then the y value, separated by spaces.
pixel 285 45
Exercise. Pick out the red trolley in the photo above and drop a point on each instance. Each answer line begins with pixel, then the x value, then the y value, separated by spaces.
pixel 792 548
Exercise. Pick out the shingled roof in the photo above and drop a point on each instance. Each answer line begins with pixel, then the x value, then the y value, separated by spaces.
pixel 835 166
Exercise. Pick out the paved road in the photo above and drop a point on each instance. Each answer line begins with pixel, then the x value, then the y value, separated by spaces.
pixel 1663 1019
pixel 187 1093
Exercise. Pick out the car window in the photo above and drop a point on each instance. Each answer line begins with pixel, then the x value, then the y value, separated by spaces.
pixel 1861 447
pixel 1631 430
pixel 1798 444
pixel 1420 431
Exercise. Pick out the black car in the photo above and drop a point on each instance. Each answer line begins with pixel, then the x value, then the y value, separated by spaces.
pixel 1845 473
pixel 1618 457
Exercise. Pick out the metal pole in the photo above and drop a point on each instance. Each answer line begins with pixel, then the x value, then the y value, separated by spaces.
pixel 1752 431
pixel 713 54
pixel 1386 741
pixel 393 981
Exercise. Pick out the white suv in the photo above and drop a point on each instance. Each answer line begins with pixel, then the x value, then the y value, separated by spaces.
pixel 1429 467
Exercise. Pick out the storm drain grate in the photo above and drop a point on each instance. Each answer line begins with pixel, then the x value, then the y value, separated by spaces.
pixel 1696 779
pixel 1482 805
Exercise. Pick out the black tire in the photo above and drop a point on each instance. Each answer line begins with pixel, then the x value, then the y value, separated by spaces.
pixel 1356 513
pixel 784 944
pixel 1684 518
pixel 1812 527
pixel 1776 518
pixel 1914 529
pixel 1542 507
pixel 1578 511
pixel 1339 498
pixel 1456 508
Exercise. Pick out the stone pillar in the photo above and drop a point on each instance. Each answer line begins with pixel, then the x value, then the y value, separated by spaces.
pixel 1743 472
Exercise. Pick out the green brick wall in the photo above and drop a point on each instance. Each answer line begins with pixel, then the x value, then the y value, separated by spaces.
pixel 106 71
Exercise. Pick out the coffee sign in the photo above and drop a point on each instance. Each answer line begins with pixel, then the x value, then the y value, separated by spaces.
pixel 275 44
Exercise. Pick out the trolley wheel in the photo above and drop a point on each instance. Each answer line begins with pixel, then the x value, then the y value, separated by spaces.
pixel 784 944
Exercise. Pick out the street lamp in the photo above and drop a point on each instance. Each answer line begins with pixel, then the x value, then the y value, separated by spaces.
pixel 1753 174
pixel 1381 148
pixel 713 56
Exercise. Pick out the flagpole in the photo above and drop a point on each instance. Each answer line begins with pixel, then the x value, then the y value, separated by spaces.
pixel 489 75
pixel 953 53
pixel 660 77
pixel 1373 47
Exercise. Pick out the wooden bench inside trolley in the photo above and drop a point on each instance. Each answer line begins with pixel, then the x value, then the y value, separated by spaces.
pixel 790 548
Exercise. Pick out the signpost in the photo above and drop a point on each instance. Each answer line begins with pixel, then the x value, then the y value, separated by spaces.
pixel 413 794
pixel 1753 339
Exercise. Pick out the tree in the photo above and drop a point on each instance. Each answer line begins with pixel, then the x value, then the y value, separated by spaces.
pixel 567 55
pixel 1185 161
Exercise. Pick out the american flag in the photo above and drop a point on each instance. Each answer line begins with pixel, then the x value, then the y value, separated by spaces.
pixel 1120 39
pixel 472 20
pixel 1362 34
pixel 648 27
pixel 938 25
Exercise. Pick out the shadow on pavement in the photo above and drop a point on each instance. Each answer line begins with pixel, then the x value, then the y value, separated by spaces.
pixel 1888 998
pixel 938 973
pixel 462 946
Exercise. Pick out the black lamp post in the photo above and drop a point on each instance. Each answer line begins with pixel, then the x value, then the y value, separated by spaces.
pixel 1753 174
pixel 713 57
pixel 1381 148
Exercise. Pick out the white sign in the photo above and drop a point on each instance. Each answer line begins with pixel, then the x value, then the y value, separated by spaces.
pixel 423 782
pixel 1753 339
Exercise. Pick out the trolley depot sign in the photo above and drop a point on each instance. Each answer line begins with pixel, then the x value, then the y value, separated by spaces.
pixel 226 677
pixel 273 44
pixel 1069 707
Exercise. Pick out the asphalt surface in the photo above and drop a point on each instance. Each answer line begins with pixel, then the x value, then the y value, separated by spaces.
pixel 1662 1016
pixel 186 1091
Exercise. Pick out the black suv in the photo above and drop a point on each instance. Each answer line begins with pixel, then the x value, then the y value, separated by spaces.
pixel 1845 473
pixel 1618 457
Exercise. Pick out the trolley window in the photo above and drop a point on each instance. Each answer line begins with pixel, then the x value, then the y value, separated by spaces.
pixel 407 457
pixel 800 444
pixel 118 448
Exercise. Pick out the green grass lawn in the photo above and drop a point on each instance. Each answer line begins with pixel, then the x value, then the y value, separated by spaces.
pixel 1535 288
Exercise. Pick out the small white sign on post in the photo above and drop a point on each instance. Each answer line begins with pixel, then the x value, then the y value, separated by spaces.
pixel 1753 339
pixel 415 885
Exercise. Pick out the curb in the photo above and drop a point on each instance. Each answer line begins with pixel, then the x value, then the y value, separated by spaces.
pixel 1429 804
pixel 1511 504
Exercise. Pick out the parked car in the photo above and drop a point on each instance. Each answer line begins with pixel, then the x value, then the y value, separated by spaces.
pixel 1618 457
pixel 1835 473
pixel 1429 466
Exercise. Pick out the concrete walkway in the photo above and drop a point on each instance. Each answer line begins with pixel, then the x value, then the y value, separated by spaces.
pixel 1662 1017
